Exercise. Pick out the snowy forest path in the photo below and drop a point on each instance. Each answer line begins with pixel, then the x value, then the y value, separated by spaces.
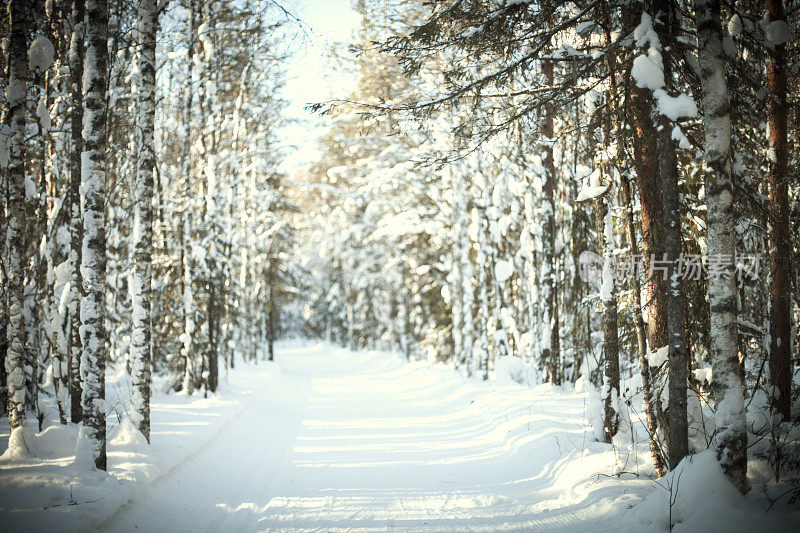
pixel 214 490
pixel 338 440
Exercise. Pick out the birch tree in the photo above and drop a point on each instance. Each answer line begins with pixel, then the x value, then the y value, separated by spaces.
pixel 16 249
pixel 142 235
pixel 93 251
pixel 730 440
pixel 76 52
pixel 187 295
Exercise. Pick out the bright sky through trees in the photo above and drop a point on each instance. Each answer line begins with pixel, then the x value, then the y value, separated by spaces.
pixel 316 71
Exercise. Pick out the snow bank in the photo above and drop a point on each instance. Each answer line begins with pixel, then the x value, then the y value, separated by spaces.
pixel 697 496
pixel 43 487
pixel 512 370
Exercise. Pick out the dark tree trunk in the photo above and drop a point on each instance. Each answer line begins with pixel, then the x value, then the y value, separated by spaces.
pixel 551 354
pixel 780 368
pixel 645 149
pixel 608 299
pixel 678 430
pixel 633 249
pixel 271 312
pixel 214 337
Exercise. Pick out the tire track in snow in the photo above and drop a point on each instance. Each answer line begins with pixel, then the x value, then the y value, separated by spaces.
pixel 204 488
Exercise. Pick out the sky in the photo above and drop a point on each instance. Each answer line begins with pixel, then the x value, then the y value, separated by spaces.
pixel 313 74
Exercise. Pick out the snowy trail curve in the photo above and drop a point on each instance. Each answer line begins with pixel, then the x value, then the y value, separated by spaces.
pixel 341 441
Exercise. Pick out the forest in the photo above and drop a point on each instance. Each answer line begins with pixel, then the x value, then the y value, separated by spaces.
pixel 534 215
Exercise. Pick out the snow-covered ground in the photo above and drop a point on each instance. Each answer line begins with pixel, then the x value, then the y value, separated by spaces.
pixel 325 439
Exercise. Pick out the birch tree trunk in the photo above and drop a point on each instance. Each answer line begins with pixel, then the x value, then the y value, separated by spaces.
pixel 466 291
pixel 93 259
pixel 55 169
pixel 142 234
pixel 731 438
pixel 15 242
pixel 478 219
pixel 76 52
pixel 780 368
pixel 456 277
pixel 4 131
pixel 190 377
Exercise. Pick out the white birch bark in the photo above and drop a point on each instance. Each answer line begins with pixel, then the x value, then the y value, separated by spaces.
pixel 731 439
pixel 94 337
pixel 142 234
pixel 15 96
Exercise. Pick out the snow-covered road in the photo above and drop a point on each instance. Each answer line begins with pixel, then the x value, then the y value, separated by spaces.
pixel 337 440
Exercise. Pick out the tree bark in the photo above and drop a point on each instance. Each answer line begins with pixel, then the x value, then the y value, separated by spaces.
pixel 731 438
pixel 641 338
pixel 780 368
pixel 57 251
pixel 551 354
pixel 76 52
pixel 633 250
pixel 271 310
pixel 142 234
pixel 645 149
pixel 16 249
pixel 93 261
pixel 189 373
pixel 608 300
pixel 4 121
pixel 678 427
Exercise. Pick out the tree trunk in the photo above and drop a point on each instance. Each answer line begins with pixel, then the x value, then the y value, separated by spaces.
pixel 608 299
pixel 479 219
pixel 189 373
pixel 678 430
pixel 678 426
pixel 57 251
pixel 467 302
pixel 551 353
pixel 213 361
pixel 16 250
pixel 93 261
pixel 142 234
pixel 76 52
pixel 731 437
pixel 4 121
pixel 780 368
pixel 645 148
pixel 641 339
pixel 271 312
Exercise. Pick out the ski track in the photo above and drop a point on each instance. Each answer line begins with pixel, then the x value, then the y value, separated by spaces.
pixel 341 441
